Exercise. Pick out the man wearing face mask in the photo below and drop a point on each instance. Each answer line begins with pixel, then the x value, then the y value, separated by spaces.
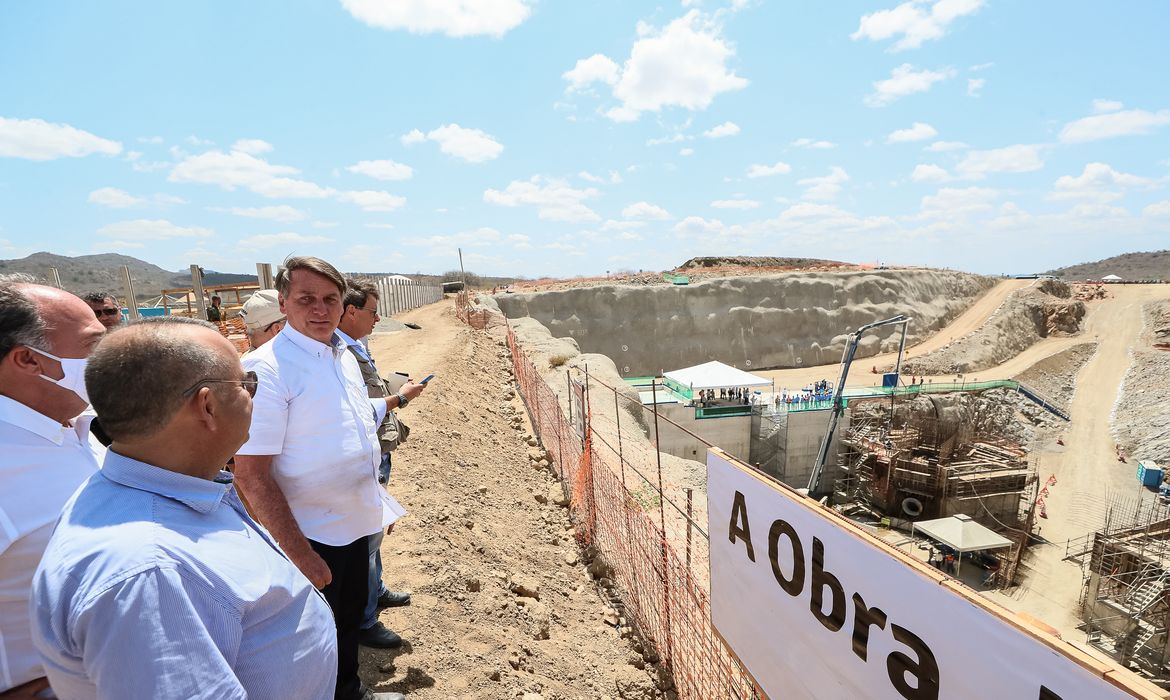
pixel 45 336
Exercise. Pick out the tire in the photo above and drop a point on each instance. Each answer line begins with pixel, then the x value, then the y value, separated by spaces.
pixel 912 507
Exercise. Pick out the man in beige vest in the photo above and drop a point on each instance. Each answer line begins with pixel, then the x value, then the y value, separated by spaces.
pixel 359 315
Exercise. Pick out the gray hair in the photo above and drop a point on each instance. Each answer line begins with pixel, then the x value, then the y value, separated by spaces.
pixel 137 375
pixel 21 322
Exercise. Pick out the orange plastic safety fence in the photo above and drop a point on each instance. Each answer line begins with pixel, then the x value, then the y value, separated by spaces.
pixel 662 583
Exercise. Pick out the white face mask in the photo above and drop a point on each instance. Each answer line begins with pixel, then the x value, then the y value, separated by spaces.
pixel 74 369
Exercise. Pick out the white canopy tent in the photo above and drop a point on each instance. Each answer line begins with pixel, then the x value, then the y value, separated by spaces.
pixel 1111 278
pixel 715 375
pixel 962 534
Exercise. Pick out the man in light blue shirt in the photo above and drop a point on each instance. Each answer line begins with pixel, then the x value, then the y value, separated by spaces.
pixel 156 582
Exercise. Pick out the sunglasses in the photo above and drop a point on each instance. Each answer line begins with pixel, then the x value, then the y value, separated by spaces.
pixel 249 383
pixel 107 312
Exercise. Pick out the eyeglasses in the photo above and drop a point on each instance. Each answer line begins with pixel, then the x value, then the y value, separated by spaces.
pixel 107 312
pixel 249 384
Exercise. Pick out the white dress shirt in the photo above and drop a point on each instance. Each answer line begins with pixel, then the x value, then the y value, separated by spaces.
pixel 42 464
pixel 312 413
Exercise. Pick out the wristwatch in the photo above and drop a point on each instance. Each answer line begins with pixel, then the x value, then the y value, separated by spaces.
pixel 402 400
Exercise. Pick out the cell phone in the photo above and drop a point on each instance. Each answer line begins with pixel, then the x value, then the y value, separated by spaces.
pixel 426 379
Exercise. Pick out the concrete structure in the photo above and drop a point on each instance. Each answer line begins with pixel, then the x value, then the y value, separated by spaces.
pixel 785 444
pixel 783 320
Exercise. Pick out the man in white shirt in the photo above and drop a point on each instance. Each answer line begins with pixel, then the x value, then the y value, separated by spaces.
pixel 310 466
pixel 48 451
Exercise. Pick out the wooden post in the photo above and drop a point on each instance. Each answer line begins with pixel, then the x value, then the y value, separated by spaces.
pixel 690 493
pixel 662 525
pixel 131 301
pixel 197 285
pixel 264 276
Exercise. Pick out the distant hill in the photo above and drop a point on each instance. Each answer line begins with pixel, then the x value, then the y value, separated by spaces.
pixel 1154 265
pixel 87 273
pixel 752 261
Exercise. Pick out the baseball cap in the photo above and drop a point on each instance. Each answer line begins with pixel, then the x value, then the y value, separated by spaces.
pixel 261 309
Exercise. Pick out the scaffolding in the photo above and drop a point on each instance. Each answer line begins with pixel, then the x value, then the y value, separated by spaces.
pixel 1124 601
pixel 905 467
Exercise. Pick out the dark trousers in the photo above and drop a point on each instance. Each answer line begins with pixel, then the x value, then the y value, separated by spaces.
pixel 346 594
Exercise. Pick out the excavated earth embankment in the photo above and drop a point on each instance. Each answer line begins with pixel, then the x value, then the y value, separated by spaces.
pixel 1029 315
pixel 767 321
pixel 1142 416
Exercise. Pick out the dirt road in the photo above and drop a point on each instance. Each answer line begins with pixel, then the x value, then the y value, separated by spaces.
pixel 1086 466
pixel 502 603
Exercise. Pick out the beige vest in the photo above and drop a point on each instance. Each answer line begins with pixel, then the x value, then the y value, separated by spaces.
pixel 388 432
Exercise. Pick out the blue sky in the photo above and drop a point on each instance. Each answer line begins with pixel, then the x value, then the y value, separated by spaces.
pixel 565 138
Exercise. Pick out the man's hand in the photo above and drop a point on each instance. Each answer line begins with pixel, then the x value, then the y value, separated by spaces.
pixel 411 390
pixel 313 567
pixel 26 691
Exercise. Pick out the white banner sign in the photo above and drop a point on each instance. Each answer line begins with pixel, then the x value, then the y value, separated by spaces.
pixel 815 611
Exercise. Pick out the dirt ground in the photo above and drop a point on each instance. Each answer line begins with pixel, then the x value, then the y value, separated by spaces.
pixel 503 605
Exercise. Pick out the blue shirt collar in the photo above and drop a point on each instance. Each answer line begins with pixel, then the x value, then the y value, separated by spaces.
pixel 201 495
pixel 314 347
pixel 355 344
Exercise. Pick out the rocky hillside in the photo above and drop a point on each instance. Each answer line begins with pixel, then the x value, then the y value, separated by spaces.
pixel 755 261
pixel 1154 265
pixel 86 273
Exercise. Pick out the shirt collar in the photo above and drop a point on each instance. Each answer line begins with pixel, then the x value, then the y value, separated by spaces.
pixel 355 344
pixel 314 347
pixel 15 413
pixel 201 495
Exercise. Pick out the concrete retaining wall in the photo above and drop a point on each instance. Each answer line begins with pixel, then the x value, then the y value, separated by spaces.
pixel 785 320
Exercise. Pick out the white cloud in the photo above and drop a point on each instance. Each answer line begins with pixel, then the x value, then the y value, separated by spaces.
pixel 742 204
pixel 282 240
pixel 615 225
pixel 455 18
pixel 139 230
pixel 810 143
pixel 1102 106
pixel 926 172
pixel 237 169
pixel 686 152
pixel 903 81
pixel 114 198
pixel 471 145
pixel 824 187
pixel 252 146
pixel 167 199
pixel 372 200
pixel 1130 122
pixel 952 201
pixel 944 146
pixel 596 68
pixel 1161 208
pixel 382 169
pixel 645 210
pixel 36 139
pixel 723 130
pixel 975 86
pixel 780 168
pixel 282 213
pixel 554 199
pixel 683 64
pixel 917 132
pixel 445 245
pixel 1021 158
pixel 614 177
pixel 1098 182
pixel 914 22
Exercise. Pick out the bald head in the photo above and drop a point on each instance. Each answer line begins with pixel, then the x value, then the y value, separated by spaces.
pixel 137 377
pixel 44 317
